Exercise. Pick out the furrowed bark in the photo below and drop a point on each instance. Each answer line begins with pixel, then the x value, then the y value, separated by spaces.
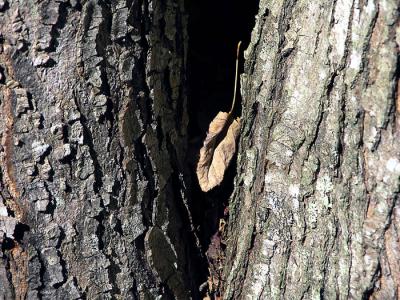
pixel 315 211
pixel 93 129
pixel 93 125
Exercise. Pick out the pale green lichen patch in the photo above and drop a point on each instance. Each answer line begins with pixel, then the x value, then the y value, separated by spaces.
pixel 251 156
pixel 393 165
pixel 312 212
pixel 323 188
pixel 260 271
pixel 339 31
pixel 294 192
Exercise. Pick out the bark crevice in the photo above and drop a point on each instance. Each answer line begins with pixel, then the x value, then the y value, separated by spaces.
pixel 214 31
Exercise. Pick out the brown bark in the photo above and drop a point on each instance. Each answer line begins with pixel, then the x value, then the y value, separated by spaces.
pixel 93 133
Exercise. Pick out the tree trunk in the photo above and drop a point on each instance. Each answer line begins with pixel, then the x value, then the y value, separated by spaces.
pixel 315 212
pixel 96 199
pixel 93 132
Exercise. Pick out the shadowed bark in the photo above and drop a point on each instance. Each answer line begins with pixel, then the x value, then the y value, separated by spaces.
pixel 93 133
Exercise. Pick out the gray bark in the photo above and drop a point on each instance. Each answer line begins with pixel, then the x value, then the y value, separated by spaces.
pixel 315 213
pixel 93 134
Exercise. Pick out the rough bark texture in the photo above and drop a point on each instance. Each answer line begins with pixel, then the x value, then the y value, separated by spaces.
pixel 315 212
pixel 93 131
pixel 93 134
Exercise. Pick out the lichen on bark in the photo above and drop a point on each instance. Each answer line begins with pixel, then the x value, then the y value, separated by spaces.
pixel 314 211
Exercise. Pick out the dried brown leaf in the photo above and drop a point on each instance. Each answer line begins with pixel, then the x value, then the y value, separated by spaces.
pixel 217 151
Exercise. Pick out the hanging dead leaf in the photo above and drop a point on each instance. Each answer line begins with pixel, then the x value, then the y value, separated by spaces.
pixel 217 151
pixel 219 145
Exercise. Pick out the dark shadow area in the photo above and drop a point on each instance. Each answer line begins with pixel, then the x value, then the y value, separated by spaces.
pixel 19 231
pixel 215 28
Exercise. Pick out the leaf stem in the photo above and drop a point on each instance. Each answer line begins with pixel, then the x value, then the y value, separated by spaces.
pixel 236 77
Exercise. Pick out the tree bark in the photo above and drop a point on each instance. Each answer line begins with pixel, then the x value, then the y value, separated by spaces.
pixel 94 187
pixel 93 131
pixel 315 212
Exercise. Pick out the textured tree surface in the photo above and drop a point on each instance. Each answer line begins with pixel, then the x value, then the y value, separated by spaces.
pixel 93 134
pixel 315 213
pixel 96 198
